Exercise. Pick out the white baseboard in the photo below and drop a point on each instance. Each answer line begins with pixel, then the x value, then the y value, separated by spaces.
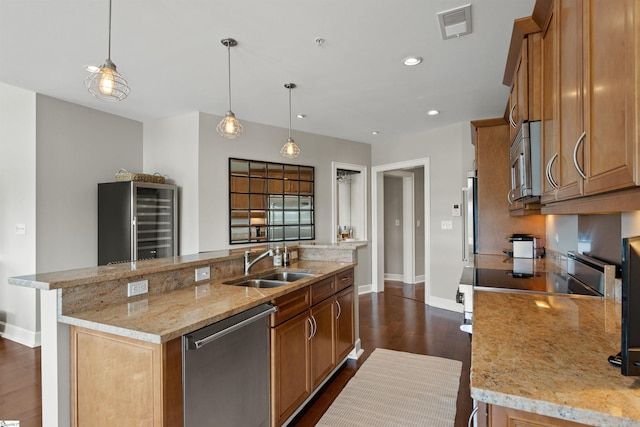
pixel 365 289
pixel 400 278
pixel 446 304
pixel 20 335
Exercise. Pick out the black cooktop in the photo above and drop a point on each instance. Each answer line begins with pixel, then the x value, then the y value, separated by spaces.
pixel 539 282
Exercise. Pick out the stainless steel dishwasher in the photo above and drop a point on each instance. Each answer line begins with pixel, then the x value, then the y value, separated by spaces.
pixel 225 369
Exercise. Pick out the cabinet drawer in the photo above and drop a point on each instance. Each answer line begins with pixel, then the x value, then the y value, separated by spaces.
pixel 322 290
pixel 290 305
pixel 344 279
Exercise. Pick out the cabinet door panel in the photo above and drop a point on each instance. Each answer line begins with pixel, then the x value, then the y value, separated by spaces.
pixel 323 341
pixel 290 371
pixel 549 113
pixel 571 124
pixel 344 323
pixel 610 83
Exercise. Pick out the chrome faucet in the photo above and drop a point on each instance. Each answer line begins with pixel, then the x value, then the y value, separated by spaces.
pixel 247 264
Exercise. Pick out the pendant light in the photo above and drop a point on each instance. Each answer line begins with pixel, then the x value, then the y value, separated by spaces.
pixel 229 127
pixel 104 82
pixel 290 150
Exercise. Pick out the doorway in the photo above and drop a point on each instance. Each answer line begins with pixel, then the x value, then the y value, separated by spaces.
pixel 377 238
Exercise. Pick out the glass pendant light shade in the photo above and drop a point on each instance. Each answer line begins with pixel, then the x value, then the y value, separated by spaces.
pixel 229 127
pixel 104 82
pixel 290 149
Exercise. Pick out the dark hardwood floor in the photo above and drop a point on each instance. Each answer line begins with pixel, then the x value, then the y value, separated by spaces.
pixel 396 319
pixel 20 384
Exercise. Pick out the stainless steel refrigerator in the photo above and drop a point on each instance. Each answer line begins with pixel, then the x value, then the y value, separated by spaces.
pixel 470 217
pixel 136 221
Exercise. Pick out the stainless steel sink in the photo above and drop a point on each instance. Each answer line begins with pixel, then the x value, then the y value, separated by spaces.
pixel 286 276
pixel 258 283
pixel 271 280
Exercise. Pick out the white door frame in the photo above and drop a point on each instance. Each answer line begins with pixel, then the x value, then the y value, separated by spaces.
pixel 377 229
pixel 408 225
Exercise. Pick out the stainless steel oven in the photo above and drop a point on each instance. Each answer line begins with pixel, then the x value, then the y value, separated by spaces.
pixel 524 160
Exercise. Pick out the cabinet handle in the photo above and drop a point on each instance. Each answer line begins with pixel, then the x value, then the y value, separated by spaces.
pixel 511 121
pixel 472 416
pixel 315 325
pixel 339 309
pixel 575 155
pixel 310 328
pixel 550 179
pixel 509 193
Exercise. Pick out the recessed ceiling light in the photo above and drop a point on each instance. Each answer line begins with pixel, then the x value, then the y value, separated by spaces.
pixel 300 116
pixel 433 113
pixel 375 132
pixel 412 60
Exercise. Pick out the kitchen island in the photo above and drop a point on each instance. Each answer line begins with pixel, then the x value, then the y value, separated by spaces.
pixel 95 300
pixel 547 355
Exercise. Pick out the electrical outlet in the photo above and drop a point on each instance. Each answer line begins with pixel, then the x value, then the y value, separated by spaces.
pixel 137 288
pixel 203 273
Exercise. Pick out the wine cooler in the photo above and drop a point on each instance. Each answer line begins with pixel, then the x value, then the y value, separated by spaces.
pixel 136 221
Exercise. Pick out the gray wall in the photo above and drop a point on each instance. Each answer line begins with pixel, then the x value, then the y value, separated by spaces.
pixel 18 306
pixel 191 152
pixel 451 154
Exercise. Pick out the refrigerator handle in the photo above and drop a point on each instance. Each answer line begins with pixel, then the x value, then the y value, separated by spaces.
pixel 465 230
pixel 134 238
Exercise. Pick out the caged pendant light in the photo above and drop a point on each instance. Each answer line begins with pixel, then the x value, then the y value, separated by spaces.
pixel 290 149
pixel 104 82
pixel 229 127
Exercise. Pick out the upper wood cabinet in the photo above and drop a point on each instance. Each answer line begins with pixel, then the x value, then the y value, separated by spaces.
pixel 593 119
pixel 523 74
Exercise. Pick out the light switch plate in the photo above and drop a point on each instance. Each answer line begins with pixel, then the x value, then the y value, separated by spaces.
pixel 203 273
pixel 446 225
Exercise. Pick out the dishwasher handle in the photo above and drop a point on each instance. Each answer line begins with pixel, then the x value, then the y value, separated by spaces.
pixel 197 344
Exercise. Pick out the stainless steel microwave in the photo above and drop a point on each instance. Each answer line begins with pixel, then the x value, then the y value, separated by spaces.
pixel 524 158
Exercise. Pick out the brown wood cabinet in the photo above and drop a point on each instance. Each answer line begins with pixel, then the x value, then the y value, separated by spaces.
pixel 311 333
pixel 495 224
pixel 499 416
pixel 549 123
pixel 115 378
pixel 344 324
pixel 596 105
pixel 290 366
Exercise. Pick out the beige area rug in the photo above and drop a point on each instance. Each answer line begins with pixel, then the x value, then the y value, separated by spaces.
pixel 394 388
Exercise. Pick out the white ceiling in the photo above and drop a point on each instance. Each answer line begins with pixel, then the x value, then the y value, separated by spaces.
pixel 171 55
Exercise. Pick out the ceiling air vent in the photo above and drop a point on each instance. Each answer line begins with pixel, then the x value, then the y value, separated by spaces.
pixel 455 22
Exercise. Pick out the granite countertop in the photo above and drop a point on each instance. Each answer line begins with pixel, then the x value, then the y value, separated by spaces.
pixel 159 318
pixel 547 354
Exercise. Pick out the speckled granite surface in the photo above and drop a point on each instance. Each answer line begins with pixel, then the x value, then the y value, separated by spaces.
pixel 547 354
pixel 163 316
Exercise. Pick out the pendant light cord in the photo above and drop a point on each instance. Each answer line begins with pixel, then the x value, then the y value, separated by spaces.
pixel 289 112
pixel 229 71
pixel 109 52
